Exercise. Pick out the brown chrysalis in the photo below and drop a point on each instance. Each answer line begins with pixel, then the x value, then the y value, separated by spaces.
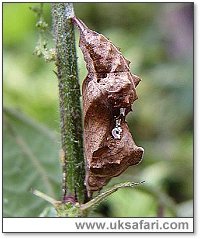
pixel 108 93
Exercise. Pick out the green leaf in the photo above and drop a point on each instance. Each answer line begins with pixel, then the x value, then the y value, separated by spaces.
pixel 30 161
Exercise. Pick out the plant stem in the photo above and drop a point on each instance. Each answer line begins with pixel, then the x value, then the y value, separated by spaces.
pixel 98 199
pixel 70 107
pixel 45 197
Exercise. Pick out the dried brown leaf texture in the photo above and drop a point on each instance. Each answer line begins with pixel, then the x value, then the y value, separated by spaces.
pixel 108 93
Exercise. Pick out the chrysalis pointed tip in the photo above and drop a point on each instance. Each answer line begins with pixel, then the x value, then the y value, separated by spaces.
pixel 79 24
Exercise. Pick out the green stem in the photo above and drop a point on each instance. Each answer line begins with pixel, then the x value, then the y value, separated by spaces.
pixel 98 199
pixel 45 197
pixel 70 107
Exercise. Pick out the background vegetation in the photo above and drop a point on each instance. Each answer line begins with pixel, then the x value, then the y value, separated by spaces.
pixel 158 40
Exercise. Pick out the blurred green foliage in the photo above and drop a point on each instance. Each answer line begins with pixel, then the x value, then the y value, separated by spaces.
pixel 158 40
